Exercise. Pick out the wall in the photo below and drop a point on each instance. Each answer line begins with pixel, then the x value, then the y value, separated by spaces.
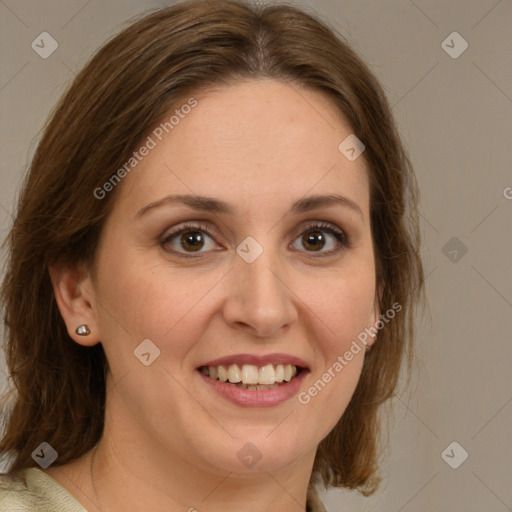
pixel 455 113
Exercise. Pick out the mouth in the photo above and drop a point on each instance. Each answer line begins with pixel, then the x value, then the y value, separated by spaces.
pixel 251 376
pixel 255 381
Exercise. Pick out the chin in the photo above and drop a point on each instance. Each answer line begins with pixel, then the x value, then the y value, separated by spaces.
pixel 263 449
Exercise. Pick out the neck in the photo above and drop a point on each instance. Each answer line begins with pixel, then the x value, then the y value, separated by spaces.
pixel 121 476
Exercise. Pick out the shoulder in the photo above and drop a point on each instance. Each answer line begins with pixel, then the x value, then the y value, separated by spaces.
pixel 31 489
pixel 15 493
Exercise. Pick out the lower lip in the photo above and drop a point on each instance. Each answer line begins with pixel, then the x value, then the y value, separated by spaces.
pixel 256 397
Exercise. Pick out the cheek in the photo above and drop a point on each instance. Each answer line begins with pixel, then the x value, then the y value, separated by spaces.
pixel 342 311
pixel 343 307
pixel 139 300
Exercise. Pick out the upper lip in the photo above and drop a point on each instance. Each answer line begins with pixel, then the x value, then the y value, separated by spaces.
pixel 257 360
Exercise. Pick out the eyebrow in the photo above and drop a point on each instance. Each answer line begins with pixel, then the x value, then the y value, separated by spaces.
pixel 212 205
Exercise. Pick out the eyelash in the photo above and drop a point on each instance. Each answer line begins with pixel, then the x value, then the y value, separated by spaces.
pixel 340 236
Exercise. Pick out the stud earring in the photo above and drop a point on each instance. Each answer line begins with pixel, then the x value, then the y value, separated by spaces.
pixel 83 330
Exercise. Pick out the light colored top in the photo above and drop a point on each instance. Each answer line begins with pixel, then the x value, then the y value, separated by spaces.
pixel 31 490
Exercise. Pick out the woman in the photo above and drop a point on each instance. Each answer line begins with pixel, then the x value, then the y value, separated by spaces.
pixel 212 272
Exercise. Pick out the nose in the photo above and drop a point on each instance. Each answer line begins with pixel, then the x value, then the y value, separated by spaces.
pixel 259 297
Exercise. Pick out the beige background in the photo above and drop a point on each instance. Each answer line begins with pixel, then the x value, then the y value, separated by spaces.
pixel 455 117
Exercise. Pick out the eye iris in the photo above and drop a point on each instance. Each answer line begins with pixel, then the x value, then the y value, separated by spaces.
pixel 315 239
pixel 193 239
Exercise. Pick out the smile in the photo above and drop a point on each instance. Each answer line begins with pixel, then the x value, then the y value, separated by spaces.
pixel 249 380
pixel 252 377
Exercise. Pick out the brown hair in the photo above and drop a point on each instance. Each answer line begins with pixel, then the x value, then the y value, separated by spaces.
pixel 126 89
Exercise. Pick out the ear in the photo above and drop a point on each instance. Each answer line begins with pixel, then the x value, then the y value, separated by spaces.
pixel 73 291
pixel 374 317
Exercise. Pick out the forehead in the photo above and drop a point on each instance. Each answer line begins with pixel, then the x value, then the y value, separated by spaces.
pixel 252 143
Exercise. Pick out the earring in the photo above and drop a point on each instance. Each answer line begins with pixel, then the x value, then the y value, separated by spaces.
pixel 83 330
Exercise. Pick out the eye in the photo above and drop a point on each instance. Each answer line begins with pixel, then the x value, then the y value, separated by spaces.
pixel 189 238
pixel 321 235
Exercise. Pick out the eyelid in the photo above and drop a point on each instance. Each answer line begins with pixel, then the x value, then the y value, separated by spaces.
pixel 321 225
pixel 343 240
pixel 196 225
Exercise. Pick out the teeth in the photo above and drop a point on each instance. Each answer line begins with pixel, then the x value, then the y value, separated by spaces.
pixel 250 376
pixel 267 374
pixel 255 387
pixel 223 374
pixel 234 374
pixel 279 373
pixel 289 372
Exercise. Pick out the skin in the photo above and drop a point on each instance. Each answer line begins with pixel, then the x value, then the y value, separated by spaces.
pixel 170 442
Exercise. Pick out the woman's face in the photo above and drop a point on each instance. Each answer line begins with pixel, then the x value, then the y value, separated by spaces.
pixel 252 281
